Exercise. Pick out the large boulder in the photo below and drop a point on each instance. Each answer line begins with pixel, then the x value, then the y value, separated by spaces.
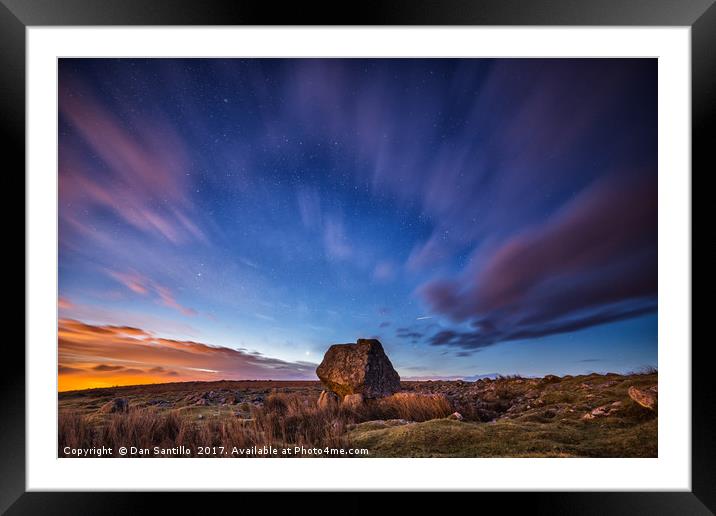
pixel 360 368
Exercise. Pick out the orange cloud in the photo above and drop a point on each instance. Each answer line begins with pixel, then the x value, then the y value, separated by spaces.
pixel 103 356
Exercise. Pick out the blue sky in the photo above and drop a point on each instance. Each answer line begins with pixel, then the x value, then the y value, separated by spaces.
pixel 476 215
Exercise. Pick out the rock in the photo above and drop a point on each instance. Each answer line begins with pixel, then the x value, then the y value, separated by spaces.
pixel 352 401
pixel 646 399
pixel 456 416
pixel 201 401
pixel 327 399
pixel 600 411
pixel 550 378
pixel 604 410
pixel 360 368
pixel 116 405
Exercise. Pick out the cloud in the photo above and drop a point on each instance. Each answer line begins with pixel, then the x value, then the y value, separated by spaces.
pixel 139 174
pixel 248 262
pixel 63 303
pixel 140 318
pixel 335 239
pixel 431 252
pixel 408 333
pixel 68 370
pixel 85 352
pixel 384 324
pixel 163 371
pixel 147 287
pixel 309 207
pixel 106 368
pixel 384 271
pixel 592 262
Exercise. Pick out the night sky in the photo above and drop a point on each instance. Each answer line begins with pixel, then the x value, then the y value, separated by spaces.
pixel 228 219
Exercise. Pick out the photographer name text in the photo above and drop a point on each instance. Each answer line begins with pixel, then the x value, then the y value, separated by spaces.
pixel 213 451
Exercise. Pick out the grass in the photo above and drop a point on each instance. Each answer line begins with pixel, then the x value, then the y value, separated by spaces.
pixel 548 425
pixel 448 438
pixel 506 417
pixel 285 420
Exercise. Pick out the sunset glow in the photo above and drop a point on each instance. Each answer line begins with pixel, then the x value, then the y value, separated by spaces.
pixel 105 356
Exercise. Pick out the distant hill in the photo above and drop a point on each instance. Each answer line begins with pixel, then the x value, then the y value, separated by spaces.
pixel 452 378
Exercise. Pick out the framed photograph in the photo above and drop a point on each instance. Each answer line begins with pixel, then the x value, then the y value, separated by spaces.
pixel 447 247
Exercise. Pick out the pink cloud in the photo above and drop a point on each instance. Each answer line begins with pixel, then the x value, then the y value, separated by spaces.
pixel 145 179
pixel 592 262
pixel 147 287
pixel 384 271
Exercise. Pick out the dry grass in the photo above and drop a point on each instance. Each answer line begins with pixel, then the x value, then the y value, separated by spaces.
pixel 285 420
pixel 507 417
pixel 407 405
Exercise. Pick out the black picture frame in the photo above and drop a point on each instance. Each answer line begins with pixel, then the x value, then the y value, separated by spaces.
pixel 700 15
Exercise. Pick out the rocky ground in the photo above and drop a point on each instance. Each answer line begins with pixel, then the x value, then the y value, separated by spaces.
pixel 582 416
pixel 593 415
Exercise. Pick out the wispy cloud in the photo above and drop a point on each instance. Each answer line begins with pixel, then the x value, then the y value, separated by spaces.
pixel 309 207
pixel 139 174
pixel 335 239
pixel 144 286
pixel 384 271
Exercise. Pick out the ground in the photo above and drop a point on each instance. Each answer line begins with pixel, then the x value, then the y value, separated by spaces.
pixel 580 416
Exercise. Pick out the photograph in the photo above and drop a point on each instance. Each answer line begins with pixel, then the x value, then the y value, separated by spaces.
pixel 300 257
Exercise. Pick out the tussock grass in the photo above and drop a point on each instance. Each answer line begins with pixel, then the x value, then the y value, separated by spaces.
pixel 407 405
pixel 506 417
pixel 285 420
